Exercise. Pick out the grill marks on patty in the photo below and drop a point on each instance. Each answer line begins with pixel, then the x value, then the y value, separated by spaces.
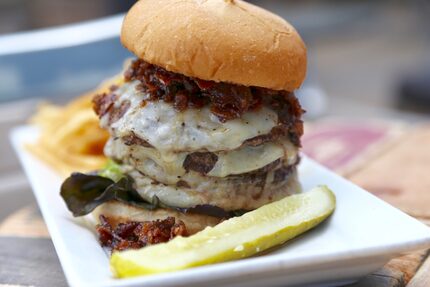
pixel 275 173
pixel 133 139
pixel 261 177
pixel 284 171
pixel 202 162
pixel 275 134
pixel 290 123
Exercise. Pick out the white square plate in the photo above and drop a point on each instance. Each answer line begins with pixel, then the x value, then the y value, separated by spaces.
pixel 363 234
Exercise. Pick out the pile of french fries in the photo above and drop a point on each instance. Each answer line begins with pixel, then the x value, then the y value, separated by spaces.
pixel 70 136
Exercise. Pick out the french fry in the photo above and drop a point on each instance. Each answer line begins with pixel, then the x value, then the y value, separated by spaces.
pixel 70 136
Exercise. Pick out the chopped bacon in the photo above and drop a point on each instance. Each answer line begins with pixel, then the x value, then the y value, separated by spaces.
pixel 133 139
pixel 103 103
pixel 227 101
pixel 137 234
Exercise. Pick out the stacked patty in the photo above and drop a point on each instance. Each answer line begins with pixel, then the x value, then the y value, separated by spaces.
pixel 195 143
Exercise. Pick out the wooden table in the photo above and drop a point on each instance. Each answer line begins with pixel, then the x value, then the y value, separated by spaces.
pixel 389 160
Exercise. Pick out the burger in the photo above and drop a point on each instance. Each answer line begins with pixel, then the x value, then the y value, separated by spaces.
pixel 204 124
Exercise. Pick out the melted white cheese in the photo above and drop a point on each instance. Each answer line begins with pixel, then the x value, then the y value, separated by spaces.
pixel 247 158
pixel 193 129
pixel 168 167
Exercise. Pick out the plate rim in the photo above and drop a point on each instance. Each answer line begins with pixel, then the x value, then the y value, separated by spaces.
pixel 254 265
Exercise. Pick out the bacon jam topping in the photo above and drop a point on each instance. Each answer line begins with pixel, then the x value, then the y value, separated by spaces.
pixel 227 101
pixel 135 235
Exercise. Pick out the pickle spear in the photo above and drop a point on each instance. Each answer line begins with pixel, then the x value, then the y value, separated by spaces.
pixel 238 237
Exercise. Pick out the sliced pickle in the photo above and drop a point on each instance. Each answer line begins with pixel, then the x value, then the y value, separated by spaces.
pixel 238 237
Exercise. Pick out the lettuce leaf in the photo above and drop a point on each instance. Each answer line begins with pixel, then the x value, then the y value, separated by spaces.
pixel 82 193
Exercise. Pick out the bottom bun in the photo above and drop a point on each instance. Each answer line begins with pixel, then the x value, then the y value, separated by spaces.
pixel 117 212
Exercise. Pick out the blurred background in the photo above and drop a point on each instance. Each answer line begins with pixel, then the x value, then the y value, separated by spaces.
pixel 366 58
pixel 364 55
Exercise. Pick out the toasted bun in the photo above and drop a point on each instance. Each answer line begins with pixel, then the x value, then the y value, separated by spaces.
pixel 219 40
pixel 118 212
